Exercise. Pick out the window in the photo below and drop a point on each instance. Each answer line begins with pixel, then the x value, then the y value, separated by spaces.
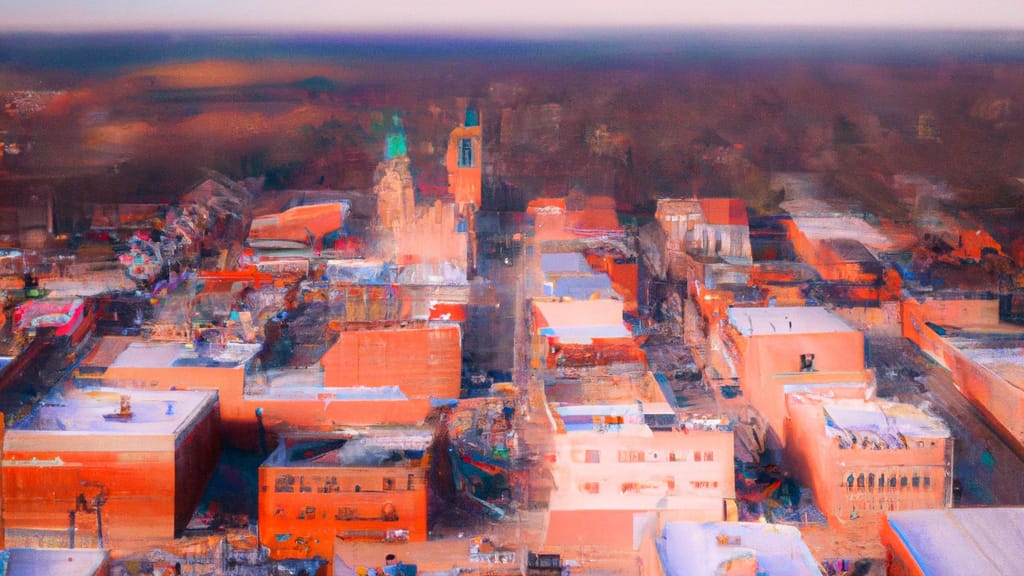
pixel 709 456
pixel 696 456
pixel 590 488
pixel 892 481
pixel 871 480
pixel 903 481
pixel 389 483
pixel 593 457
pixel 307 513
pixel 860 480
pixel 284 484
pixel 916 482
pixel 881 480
pixel 631 456
pixel 807 362
pixel 409 482
pixel 345 513
pixel 330 485
pixel 927 481
pixel 630 488
pixel 465 153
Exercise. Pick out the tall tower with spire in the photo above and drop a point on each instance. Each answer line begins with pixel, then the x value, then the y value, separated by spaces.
pixel 393 184
pixel 464 160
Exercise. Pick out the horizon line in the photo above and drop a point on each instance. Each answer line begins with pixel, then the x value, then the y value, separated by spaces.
pixel 505 32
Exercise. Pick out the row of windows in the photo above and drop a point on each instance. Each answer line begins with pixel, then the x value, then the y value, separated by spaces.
pixel 388 513
pixel 288 483
pixel 666 484
pixel 862 481
pixel 594 456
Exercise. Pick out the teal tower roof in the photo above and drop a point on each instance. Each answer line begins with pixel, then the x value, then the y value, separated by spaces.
pixel 395 141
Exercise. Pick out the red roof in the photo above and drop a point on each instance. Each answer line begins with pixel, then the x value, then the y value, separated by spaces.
pixel 724 211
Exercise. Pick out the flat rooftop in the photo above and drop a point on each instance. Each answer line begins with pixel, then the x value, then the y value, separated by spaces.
pixel 141 354
pixel 85 411
pixel 596 388
pixel 786 320
pixel 556 263
pixel 568 313
pixel 844 227
pixel 46 561
pixel 879 423
pixel 373 448
pixel 1002 354
pixel 636 397
pixel 944 542
pixel 586 334
pixel 690 548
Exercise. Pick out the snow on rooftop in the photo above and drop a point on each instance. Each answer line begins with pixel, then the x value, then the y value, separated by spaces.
pixel 687 548
pixel 581 287
pixel 882 423
pixel 152 412
pixel 844 228
pixel 48 561
pixel 944 542
pixel 585 334
pixel 786 320
pixel 564 263
pixel 330 394
pixel 176 354
pixel 384 446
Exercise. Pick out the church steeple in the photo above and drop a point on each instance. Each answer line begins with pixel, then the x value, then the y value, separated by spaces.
pixel 394 142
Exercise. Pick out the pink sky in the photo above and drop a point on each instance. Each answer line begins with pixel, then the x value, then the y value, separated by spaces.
pixel 518 15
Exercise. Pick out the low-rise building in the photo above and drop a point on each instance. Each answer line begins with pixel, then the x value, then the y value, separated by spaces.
pixel 734 548
pixel 954 541
pixel 582 332
pixel 368 485
pixel 864 458
pixel 134 462
pixel 624 463
pixel 707 240
pixel 782 350
pixel 985 356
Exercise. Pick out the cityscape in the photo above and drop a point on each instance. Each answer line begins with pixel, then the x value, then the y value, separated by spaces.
pixel 706 302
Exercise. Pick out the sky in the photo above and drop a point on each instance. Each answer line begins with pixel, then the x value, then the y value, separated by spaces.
pixel 523 16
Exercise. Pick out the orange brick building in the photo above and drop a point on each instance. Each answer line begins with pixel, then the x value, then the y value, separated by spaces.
pixel 374 376
pixel 985 357
pixel 865 458
pixel 423 361
pixel 370 485
pixel 783 350
pixel 135 461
